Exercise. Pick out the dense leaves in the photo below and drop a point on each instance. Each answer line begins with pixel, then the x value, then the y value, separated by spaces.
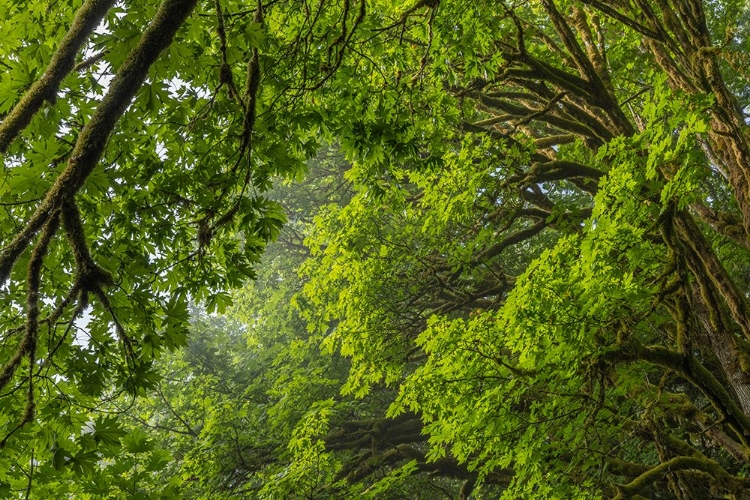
pixel 517 268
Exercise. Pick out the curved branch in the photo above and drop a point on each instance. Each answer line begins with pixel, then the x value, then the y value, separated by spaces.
pixel 62 63
pixel 737 303
pixel 557 170
pixel 27 347
pixel 634 25
pixel 723 223
pixel 689 368
pixel 702 464
pixel 517 237
pixel 92 140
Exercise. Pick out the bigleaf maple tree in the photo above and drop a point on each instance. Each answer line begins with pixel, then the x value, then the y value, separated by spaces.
pixel 552 276
pixel 542 272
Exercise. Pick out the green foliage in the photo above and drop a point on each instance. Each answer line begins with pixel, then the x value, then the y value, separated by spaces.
pixel 497 250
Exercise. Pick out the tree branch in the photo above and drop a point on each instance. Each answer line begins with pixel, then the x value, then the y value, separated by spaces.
pixel 62 63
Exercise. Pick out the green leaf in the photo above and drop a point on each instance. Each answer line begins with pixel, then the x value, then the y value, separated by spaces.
pixel 137 441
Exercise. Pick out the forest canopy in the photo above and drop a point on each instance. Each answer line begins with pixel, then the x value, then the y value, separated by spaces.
pixel 371 249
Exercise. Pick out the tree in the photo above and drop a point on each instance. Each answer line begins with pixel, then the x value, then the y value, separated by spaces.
pixel 554 284
pixel 240 410
pixel 544 259
pixel 136 155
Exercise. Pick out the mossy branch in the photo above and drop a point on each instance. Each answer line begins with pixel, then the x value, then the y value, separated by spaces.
pixel 63 62
pixel 714 269
pixel 252 85
pixel 723 223
pixel 27 346
pixel 225 70
pixel 695 463
pixel 90 277
pixel 92 140
pixel 513 239
pixel 689 368
pixel 632 24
